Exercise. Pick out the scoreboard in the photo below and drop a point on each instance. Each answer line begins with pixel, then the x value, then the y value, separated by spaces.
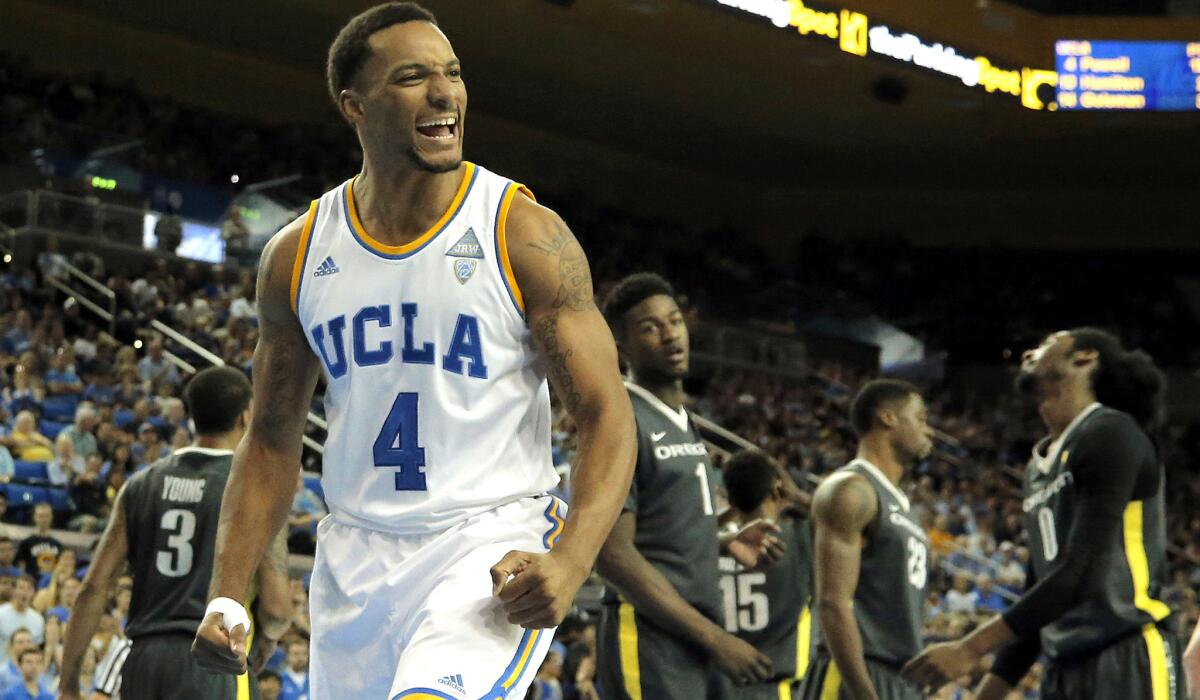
pixel 1128 75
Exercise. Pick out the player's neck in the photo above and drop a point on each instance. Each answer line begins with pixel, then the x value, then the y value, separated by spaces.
pixel 396 205
pixel 878 450
pixel 1059 412
pixel 227 441
pixel 669 391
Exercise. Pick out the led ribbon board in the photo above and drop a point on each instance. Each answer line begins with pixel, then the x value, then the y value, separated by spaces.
pixel 1128 75
pixel 855 35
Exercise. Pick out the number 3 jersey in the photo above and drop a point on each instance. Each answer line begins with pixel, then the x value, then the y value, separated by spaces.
pixel 889 602
pixel 437 403
pixel 171 513
pixel 1123 596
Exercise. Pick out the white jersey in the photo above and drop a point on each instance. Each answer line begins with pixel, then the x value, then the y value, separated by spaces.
pixel 438 409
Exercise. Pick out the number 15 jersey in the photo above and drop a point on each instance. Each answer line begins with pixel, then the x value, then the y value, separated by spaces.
pixel 437 403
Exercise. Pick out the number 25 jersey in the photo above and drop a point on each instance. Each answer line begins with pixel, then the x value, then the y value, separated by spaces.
pixel 437 404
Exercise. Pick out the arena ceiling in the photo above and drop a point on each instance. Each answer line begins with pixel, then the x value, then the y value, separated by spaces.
pixel 718 92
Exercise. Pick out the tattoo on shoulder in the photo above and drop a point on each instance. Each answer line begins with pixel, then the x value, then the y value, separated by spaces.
pixel 574 275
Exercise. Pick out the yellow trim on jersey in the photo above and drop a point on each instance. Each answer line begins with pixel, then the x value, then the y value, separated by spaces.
pixel 832 684
pixel 502 241
pixel 302 254
pixel 1160 678
pixel 627 637
pixel 785 690
pixel 559 523
pixel 243 681
pixel 1139 568
pixel 803 641
pixel 468 175
pixel 523 660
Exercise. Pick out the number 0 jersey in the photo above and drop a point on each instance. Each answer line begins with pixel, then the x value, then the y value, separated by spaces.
pixel 437 406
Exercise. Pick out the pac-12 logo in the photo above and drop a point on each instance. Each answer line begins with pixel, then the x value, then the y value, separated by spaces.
pixel 463 269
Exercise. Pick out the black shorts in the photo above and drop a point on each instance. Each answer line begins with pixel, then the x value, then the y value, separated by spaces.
pixel 160 667
pixel 637 660
pixel 1140 666
pixel 823 681
pixel 773 690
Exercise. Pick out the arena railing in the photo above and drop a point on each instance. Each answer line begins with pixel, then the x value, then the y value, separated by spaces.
pixel 58 270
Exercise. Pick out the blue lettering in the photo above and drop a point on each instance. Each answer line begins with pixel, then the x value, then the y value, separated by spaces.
pixel 337 328
pixel 362 356
pixel 467 344
pixel 422 356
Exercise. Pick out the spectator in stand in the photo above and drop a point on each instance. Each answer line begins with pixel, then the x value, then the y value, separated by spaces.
pixel 61 378
pixel 154 368
pixel 8 556
pixel 962 599
pixel 89 497
pixel 31 662
pixel 940 539
pixel 307 511
pixel 18 614
pixel 269 685
pixel 25 442
pixel 20 336
pixel 81 432
pixel 1010 572
pixel 150 446
pixel 39 551
pixel 295 674
pixel 173 412
pixel 988 595
pixel 66 591
pixel 10 673
pixel 66 464
pixel 64 568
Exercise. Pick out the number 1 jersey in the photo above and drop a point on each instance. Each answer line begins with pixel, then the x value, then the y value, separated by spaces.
pixel 437 404
pixel 171 513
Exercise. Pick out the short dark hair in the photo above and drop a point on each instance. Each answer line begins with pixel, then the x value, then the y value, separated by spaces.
pixel 268 673
pixel 215 397
pixel 749 479
pixel 27 652
pixel 872 397
pixel 349 50
pixel 630 292
pixel 1127 380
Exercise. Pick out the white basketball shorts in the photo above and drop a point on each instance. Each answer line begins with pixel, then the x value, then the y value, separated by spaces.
pixel 413 618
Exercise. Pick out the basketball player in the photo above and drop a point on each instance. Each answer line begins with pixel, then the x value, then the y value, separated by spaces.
pixel 436 298
pixel 663 637
pixel 164 523
pixel 871 554
pixel 1095 516
pixel 769 608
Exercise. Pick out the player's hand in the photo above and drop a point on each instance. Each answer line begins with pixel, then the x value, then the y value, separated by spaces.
pixel 740 661
pixel 1191 665
pixel 536 590
pixel 756 544
pixel 939 664
pixel 218 650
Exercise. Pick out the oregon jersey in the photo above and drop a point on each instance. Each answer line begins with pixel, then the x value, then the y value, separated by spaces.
pixel 768 608
pixel 1124 597
pixel 889 601
pixel 672 499
pixel 171 512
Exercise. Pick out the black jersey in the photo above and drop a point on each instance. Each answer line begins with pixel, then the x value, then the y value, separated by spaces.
pixel 171 512
pixel 889 602
pixel 1123 596
pixel 768 608
pixel 671 497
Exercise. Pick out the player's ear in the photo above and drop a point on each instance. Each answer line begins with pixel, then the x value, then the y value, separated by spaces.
pixel 1081 359
pixel 351 106
pixel 888 417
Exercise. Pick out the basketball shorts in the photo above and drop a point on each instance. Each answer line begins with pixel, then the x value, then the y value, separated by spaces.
pixel 161 667
pixel 1141 666
pixel 824 682
pixel 397 617
pixel 774 690
pixel 638 660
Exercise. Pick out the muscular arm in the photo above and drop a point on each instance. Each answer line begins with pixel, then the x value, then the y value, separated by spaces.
pixel 274 598
pixel 106 564
pixel 262 480
pixel 581 360
pixel 843 507
pixel 648 590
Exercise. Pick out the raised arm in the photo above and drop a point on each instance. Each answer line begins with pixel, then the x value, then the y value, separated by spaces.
pixel 107 562
pixel 580 356
pixel 263 477
pixel 843 507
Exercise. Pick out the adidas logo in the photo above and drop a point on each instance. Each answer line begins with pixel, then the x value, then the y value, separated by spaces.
pixel 327 267
pixel 455 682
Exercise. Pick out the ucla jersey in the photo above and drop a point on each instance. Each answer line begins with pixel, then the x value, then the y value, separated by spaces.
pixel 437 407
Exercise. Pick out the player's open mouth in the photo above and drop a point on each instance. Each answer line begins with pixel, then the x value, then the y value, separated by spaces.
pixel 439 129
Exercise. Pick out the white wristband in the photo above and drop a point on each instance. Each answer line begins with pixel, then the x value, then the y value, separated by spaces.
pixel 232 613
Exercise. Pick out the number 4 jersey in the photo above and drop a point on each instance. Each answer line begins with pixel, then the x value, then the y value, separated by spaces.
pixel 437 403
pixel 171 513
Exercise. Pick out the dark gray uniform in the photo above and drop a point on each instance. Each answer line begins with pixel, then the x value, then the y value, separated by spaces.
pixel 889 603
pixel 671 497
pixel 171 512
pixel 769 608
pixel 1114 644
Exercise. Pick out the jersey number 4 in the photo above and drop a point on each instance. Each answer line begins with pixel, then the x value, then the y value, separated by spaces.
pixel 397 445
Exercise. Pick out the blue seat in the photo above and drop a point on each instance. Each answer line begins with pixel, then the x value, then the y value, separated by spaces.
pixel 51 428
pixel 60 408
pixel 22 496
pixel 60 500
pixel 30 470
